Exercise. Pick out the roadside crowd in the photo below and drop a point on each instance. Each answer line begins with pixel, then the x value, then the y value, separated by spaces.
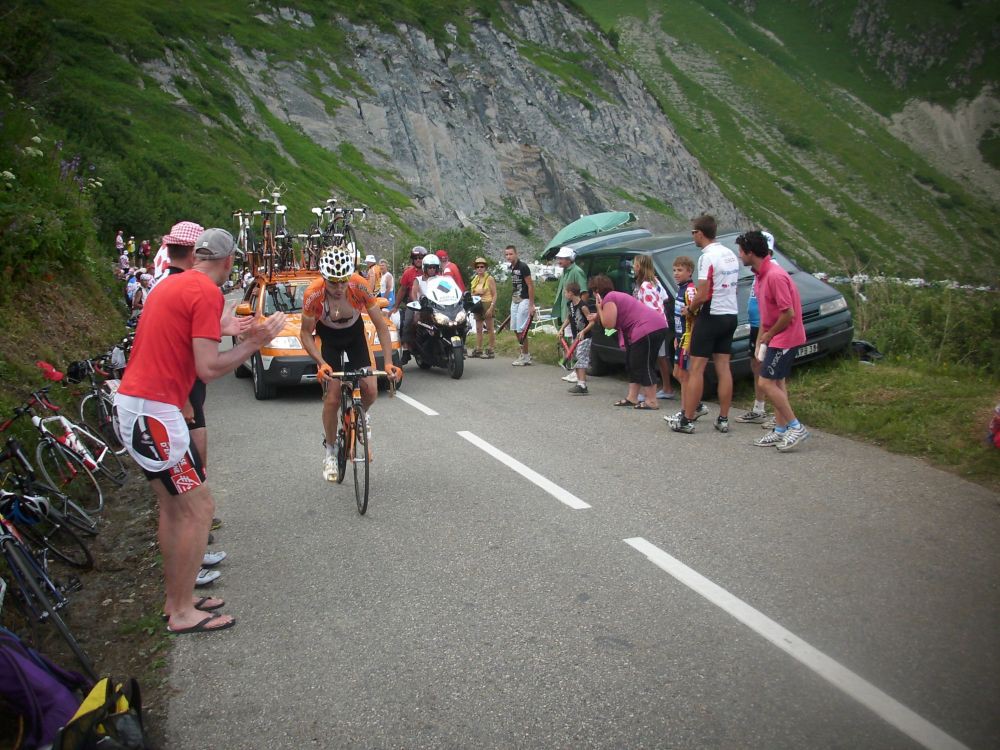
pixel 160 402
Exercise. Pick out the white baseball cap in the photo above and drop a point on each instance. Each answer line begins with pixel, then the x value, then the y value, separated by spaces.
pixel 566 252
pixel 370 259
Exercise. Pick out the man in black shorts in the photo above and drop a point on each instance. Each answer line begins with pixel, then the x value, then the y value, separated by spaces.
pixel 712 337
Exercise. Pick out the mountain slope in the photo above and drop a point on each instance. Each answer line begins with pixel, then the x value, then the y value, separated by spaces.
pixel 513 117
pixel 795 150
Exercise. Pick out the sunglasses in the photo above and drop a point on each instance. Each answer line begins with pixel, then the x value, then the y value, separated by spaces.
pixel 480 266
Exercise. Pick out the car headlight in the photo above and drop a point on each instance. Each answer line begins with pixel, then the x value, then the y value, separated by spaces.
pixel 460 317
pixel 834 305
pixel 285 342
pixel 441 319
pixel 742 331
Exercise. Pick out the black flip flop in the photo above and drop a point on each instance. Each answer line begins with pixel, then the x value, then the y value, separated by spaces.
pixel 200 627
pixel 626 402
pixel 200 606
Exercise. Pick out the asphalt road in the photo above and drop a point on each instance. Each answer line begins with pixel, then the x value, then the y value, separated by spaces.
pixel 839 596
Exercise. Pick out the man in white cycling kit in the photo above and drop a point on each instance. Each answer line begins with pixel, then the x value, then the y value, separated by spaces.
pixel 716 310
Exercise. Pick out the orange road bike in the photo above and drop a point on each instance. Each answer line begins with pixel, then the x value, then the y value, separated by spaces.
pixel 352 443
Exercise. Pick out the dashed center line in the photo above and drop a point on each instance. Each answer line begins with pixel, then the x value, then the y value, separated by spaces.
pixel 416 404
pixel 833 672
pixel 531 475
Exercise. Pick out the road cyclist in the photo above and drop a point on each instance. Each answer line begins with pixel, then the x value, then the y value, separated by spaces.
pixel 331 311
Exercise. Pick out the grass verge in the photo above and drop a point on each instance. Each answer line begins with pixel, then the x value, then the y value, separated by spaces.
pixel 939 414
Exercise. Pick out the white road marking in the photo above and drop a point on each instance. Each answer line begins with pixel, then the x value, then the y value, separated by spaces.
pixel 530 474
pixel 416 404
pixel 855 686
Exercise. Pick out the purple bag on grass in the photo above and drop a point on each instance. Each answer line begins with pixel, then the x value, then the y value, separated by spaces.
pixel 38 690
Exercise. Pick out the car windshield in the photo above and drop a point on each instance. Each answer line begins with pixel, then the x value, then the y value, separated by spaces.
pixel 284 297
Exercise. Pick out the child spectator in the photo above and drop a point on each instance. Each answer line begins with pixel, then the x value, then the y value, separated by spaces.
pixel 582 315
pixel 682 321
pixel 651 293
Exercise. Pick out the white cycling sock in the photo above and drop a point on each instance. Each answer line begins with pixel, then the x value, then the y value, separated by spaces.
pixel 759 406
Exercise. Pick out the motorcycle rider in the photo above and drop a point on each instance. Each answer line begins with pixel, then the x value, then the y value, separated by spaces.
pixel 402 297
pixel 431 267
pixel 332 307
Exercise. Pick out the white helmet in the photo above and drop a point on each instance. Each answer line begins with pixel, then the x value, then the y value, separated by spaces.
pixel 432 260
pixel 337 264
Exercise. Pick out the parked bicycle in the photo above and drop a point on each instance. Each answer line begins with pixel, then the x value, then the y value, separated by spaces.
pixel 18 475
pixel 97 406
pixel 45 528
pixel 352 443
pixel 67 453
pixel 40 597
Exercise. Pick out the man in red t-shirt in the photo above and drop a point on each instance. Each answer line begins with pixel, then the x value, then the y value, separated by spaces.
pixel 178 339
pixel 450 269
pixel 781 333
pixel 403 296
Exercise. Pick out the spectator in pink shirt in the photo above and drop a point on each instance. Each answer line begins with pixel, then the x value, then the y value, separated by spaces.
pixel 781 333
pixel 640 332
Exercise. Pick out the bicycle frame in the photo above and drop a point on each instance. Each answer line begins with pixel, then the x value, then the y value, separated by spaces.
pixel 28 484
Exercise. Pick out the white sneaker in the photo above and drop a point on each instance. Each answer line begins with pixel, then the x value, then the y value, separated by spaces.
pixel 519 361
pixel 523 361
pixel 701 411
pixel 770 440
pixel 794 436
pixel 206 576
pixel 330 468
pixel 570 377
pixel 211 559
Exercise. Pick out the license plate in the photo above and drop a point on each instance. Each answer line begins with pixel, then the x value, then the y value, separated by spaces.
pixel 805 351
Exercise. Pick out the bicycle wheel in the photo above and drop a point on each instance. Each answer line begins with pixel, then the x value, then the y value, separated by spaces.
pixel 66 472
pixel 341 454
pixel 26 575
pixel 74 516
pixel 53 533
pixel 95 412
pixel 361 458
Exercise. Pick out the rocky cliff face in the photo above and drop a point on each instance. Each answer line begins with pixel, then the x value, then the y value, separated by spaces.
pixel 477 133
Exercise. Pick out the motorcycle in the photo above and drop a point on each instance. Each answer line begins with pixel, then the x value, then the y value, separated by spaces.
pixel 441 325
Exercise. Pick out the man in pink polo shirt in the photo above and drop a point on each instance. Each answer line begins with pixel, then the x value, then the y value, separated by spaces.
pixel 781 333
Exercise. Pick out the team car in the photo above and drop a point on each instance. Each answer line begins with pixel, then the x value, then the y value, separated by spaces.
pixel 284 362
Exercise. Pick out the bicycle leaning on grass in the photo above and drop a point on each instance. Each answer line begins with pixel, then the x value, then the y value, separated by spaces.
pixel 38 594
pixel 352 444
pixel 18 474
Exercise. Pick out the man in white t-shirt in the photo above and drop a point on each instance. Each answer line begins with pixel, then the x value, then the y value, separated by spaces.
pixel 715 309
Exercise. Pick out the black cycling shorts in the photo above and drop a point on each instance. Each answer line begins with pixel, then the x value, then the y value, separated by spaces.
pixel 197 398
pixel 712 334
pixel 337 342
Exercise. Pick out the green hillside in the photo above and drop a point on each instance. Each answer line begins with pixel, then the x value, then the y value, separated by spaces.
pixel 785 109
pixel 781 104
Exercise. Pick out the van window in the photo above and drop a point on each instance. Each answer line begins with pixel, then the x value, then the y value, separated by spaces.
pixel 617 267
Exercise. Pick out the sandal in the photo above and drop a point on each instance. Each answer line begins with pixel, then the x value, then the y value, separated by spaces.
pixel 626 402
pixel 644 406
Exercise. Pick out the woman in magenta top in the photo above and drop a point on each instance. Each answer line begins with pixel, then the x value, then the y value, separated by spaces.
pixel 640 332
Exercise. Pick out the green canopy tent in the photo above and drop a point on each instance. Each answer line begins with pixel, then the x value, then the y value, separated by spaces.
pixel 587 226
